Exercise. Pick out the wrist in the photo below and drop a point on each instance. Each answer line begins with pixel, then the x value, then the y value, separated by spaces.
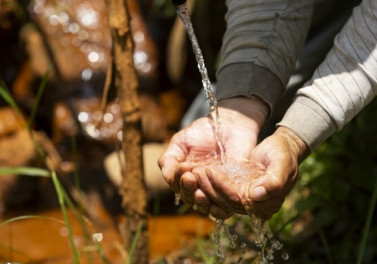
pixel 297 145
pixel 253 109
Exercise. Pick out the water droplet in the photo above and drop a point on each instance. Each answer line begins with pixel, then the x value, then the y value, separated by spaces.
pixel 258 243
pixel 139 36
pixel 38 7
pixel 53 20
pixel 219 254
pixel 177 199
pixel 285 256
pixel 83 117
pixel 73 28
pixel 48 11
pixel 87 16
pixel 270 255
pixel 146 67
pixel 263 260
pixel 115 108
pixel 97 237
pixel 83 35
pixel 86 74
pixel 108 118
pixel 93 56
pixel 92 131
pixel 140 58
pixel 276 245
pixel 63 18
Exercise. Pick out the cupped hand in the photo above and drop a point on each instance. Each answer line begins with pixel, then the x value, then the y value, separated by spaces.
pixel 196 148
pixel 260 187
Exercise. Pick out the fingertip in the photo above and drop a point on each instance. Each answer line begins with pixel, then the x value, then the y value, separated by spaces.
pixel 202 201
pixel 259 193
pixel 189 182
pixel 219 213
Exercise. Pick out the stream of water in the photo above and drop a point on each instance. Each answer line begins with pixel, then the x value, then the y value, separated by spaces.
pixel 263 238
pixel 183 13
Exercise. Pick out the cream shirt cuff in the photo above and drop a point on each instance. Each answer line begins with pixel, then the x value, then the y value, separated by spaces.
pixel 309 121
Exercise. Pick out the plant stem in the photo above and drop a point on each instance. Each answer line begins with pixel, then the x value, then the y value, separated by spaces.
pixel 326 246
pixel 134 243
pixel 368 221
pixel 60 194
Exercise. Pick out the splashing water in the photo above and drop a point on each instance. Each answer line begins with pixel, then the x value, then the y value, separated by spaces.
pixel 263 238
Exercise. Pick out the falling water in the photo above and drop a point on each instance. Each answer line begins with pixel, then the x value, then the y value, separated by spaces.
pixel 263 238
pixel 183 13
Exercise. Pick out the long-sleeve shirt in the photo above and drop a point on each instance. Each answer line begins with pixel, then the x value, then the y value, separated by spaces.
pixel 341 86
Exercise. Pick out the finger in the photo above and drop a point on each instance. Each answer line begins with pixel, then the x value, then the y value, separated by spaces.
pixel 219 212
pixel 278 179
pixel 223 186
pixel 201 201
pixel 270 186
pixel 188 186
pixel 169 162
pixel 205 185
pixel 265 209
pixel 170 171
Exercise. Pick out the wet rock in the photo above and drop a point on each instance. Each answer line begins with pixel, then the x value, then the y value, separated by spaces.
pixel 156 186
pixel 15 190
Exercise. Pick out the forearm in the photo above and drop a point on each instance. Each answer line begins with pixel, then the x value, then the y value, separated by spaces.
pixel 261 45
pixel 342 85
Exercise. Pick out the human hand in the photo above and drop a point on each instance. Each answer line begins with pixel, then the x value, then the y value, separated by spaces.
pixel 195 148
pixel 262 187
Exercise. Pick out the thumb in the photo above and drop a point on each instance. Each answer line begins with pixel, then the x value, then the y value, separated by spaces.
pixel 278 177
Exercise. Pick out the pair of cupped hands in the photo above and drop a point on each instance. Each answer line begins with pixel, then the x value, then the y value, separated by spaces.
pixel 194 168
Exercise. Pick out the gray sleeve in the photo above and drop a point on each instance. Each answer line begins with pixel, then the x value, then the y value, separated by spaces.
pixel 261 44
pixel 342 85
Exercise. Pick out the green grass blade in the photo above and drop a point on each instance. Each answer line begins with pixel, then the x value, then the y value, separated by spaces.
pixel 63 197
pixel 203 254
pixel 366 230
pixel 59 191
pixel 326 246
pixel 40 92
pixel 100 252
pixel 134 243
pixel 24 217
pixel 27 171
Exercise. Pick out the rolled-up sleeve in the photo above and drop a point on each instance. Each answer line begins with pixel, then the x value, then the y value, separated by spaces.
pixel 342 85
pixel 261 44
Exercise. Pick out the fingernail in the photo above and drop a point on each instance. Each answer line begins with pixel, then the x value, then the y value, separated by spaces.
pixel 259 193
